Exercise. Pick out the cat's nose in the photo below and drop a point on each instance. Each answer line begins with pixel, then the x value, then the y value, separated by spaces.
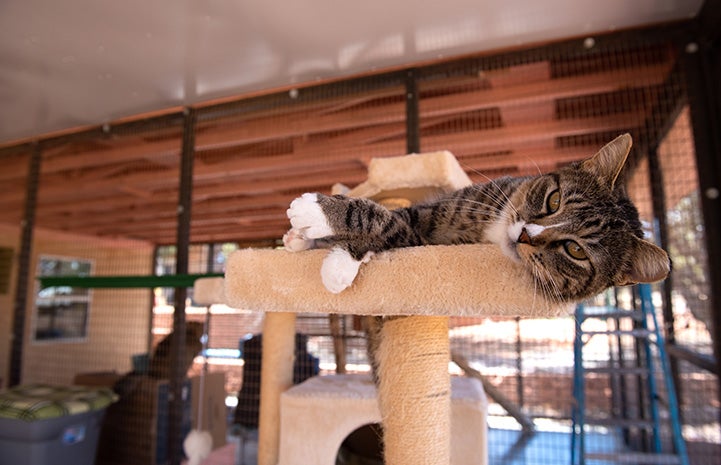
pixel 524 238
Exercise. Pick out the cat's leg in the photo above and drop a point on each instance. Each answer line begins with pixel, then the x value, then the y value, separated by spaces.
pixel 318 216
pixel 307 217
pixel 349 226
pixel 308 223
pixel 340 268
pixel 294 241
pixel 358 224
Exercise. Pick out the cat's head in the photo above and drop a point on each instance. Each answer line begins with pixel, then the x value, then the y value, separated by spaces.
pixel 578 232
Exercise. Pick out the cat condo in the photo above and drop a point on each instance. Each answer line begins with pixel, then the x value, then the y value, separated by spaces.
pixel 426 416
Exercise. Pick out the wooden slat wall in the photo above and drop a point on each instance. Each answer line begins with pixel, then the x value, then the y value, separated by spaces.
pixel 517 119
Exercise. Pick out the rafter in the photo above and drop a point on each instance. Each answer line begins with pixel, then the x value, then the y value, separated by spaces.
pixel 252 158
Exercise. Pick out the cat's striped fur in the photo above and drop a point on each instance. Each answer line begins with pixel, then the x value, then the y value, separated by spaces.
pixel 575 230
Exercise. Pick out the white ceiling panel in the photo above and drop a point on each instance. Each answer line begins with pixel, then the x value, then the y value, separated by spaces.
pixel 72 63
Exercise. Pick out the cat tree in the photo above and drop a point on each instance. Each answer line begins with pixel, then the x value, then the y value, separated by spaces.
pixel 426 284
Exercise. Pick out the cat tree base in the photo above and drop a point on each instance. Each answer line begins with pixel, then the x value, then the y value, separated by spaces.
pixel 318 414
pixel 428 282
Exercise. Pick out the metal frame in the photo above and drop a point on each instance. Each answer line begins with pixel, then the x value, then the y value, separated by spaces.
pixel 702 69
pixel 645 337
pixel 24 261
pixel 413 129
pixel 178 396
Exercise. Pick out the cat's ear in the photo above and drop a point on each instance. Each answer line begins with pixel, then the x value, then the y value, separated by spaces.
pixel 650 264
pixel 609 161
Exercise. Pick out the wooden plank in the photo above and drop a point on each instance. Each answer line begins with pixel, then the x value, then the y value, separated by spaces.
pixel 246 211
pixel 275 127
pixel 478 141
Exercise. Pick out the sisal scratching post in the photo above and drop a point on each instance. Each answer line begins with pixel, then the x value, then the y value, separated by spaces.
pixel 276 375
pixel 414 392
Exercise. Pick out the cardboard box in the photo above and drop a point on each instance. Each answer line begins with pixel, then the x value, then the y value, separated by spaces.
pixel 214 410
pixel 98 379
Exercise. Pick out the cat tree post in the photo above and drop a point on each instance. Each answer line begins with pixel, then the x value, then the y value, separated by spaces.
pixel 276 375
pixel 414 391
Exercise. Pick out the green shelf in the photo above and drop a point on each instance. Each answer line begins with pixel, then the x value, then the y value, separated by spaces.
pixel 124 282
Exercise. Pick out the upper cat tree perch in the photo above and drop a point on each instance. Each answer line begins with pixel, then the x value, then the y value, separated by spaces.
pixel 462 280
pixel 433 280
pixel 429 283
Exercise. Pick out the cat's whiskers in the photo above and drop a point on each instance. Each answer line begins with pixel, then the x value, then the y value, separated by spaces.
pixel 549 286
pixel 501 202
pixel 496 203
pixel 548 291
pixel 491 181
pixel 484 212
pixel 483 207
pixel 533 162
pixel 535 292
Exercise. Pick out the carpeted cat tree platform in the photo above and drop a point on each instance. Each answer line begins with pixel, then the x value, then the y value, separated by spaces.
pixel 427 284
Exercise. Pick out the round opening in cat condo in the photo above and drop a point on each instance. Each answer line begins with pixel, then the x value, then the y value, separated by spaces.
pixel 362 447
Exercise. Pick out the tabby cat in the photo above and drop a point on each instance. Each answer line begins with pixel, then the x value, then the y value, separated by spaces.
pixel 574 230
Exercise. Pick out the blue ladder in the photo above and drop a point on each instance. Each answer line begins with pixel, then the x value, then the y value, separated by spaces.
pixel 647 338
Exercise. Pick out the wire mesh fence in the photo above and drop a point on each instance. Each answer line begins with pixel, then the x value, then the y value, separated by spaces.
pixel 107 205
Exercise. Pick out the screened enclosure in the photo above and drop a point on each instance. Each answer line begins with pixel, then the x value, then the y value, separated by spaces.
pixel 176 193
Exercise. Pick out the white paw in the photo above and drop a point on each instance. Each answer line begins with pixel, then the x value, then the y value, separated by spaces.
pixel 295 241
pixel 339 269
pixel 306 216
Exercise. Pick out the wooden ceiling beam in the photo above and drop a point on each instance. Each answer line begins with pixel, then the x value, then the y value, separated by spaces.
pixel 133 150
pixel 162 184
pixel 550 90
pixel 475 141
pixel 505 138
pixel 138 219
pixel 218 233
pixel 249 210
pixel 333 102
pixel 95 207
pixel 350 177
pixel 275 127
pixel 525 158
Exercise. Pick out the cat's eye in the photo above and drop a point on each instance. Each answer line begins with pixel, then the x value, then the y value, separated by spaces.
pixel 553 202
pixel 574 250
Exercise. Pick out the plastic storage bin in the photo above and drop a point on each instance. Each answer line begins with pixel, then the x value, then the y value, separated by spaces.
pixel 51 425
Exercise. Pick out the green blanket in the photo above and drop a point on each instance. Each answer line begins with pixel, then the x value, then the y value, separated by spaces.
pixel 41 401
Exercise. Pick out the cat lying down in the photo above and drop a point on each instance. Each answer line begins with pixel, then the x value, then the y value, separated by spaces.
pixel 534 257
pixel 573 231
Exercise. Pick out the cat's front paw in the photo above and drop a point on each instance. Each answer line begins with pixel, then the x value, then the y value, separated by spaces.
pixel 295 241
pixel 306 216
pixel 339 269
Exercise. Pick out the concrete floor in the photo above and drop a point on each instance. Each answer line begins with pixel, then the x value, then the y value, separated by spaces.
pixel 506 447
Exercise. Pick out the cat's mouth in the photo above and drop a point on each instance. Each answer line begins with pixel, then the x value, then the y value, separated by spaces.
pixel 506 236
pixel 510 249
pixel 517 234
pixel 512 239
